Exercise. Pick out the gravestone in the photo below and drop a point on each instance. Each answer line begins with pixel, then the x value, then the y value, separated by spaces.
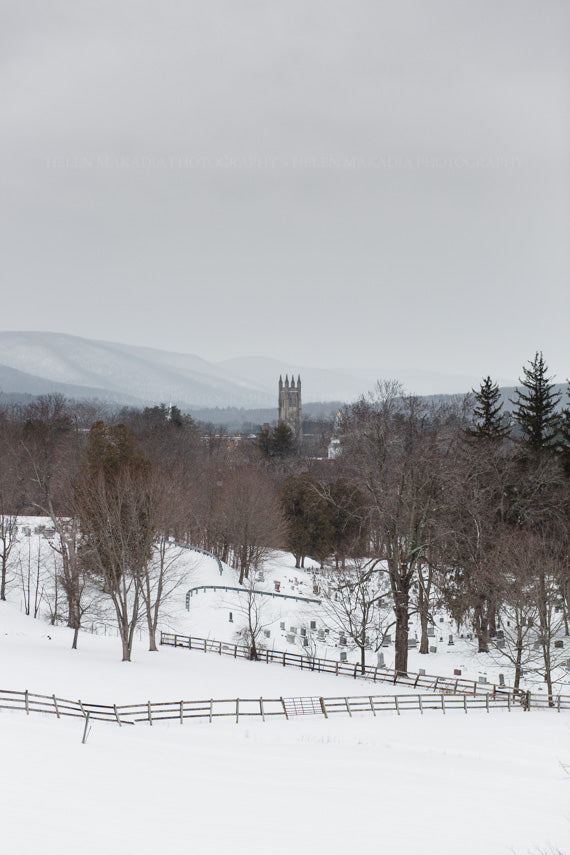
pixel 441 620
pixel 303 631
pixel 412 642
pixel 282 624
pixel 267 633
pixel 321 634
pixel 431 632
pixel 342 641
pixel 451 641
pixel 457 672
pixel 293 629
pixel 500 634
pixel 422 672
pixel 313 624
pixel 290 638
pixel 305 642
pixel 482 678
pixel 501 679
pixel 536 645
pixel 501 644
pixel 433 649
pixel 567 664
pixel 381 663
pixel 559 643
pixel 231 617
pixel 343 655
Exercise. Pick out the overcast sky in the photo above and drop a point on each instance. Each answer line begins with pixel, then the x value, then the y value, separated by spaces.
pixel 382 186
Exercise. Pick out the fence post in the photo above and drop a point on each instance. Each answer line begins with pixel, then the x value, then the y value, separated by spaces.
pixel 558 704
pixel 509 701
pixel 220 648
pixel 372 705
pixel 284 708
pixel 443 702
pixel 465 703
pixel 26 702
pixel 375 673
pixel 85 734
pixel 175 639
pixel 348 707
pixel 420 704
pixel 323 707
pixel 261 708
pixel 397 704
pixel 211 709
pixel 55 705
pixel 117 715
pixel 487 701
pixel 237 710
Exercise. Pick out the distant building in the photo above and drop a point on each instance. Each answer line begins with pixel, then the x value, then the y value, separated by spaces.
pixel 290 407
pixel 334 448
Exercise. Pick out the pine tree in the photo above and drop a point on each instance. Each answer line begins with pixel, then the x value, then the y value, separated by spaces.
pixel 488 418
pixel 535 408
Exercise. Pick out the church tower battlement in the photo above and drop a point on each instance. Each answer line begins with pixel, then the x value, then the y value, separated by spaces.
pixel 290 406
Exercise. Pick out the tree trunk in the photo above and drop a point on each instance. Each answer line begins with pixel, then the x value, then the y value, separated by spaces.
pixel 481 625
pixel 518 662
pixel 423 604
pixel 402 603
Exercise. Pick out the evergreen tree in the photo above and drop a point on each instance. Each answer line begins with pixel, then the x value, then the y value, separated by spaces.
pixel 488 417
pixel 535 406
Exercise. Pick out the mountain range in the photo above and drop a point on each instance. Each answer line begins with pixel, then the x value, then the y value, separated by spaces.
pixel 35 363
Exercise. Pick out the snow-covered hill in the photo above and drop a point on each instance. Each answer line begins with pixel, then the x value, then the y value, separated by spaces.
pixel 81 367
pixel 495 783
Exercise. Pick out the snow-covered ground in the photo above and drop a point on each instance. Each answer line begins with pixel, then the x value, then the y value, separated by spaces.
pixel 476 783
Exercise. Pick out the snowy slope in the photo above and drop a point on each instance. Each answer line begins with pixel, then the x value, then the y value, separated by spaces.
pixel 409 784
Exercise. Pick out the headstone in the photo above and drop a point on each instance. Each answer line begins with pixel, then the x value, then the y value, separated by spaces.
pixel 321 634
pixel 441 620
pixel 342 641
pixel 313 624
pixel 508 623
pixel 431 632
pixel 282 625
pixel 559 643
pixel 303 631
pixel 381 663
pixel 343 655
pixel 260 577
pixel 501 643
pixel 277 585
pixel 567 664
pixel 305 642
pixel 482 678
pixel 457 672
pixel 267 633
pixel 451 641
pixel 412 642
pixel 290 638
pixel 293 629
pixel 433 649
pixel 500 634
pixel 501 679
pixel 536 645
pixel 231 617
pixel 315 589
pixel 422 672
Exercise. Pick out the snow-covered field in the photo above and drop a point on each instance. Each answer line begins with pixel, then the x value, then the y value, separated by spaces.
pixel 476 783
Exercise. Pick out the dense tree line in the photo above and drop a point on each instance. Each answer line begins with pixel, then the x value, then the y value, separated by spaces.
pixel 459 503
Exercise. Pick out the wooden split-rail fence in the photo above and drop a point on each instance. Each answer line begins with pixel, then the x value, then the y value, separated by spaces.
pixel 151 712
pixel 432 682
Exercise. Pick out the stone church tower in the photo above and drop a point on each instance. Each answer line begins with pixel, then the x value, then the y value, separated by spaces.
pixel 290 408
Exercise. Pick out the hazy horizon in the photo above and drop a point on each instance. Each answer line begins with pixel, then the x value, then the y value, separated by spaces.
pixel 377 188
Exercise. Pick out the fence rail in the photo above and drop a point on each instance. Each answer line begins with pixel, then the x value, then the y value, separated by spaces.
pixel 433 682
pixel 239 708
pixel 193 591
